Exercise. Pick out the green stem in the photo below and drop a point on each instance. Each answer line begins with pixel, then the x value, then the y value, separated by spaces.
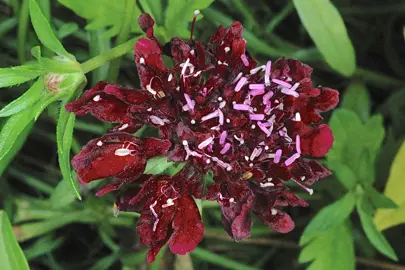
pixel 118 51
pixel 122 37
pixel 22 31
pixel 279 17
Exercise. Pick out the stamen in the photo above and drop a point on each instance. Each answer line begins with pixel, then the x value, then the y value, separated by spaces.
pixel 268 184
pixel 257 117
pixel 169 202
pixel 196 12
pixel 150 90
pixel 247 175
pixel 149 109
pixel 227 49
pixel 192 121
pixel 223 137
pixel 99 143
pixel 267 97
pixel 226 148
pixel 282 83
pixel 192 52
pixel 291 159
pixel 253 86
pixel 241 141
pixel 267 73
pixel 244 60
pixel 154 214
pixel 273 211
pixel 219 98
pixel 297 117
pixel 97 98
pixel 197 73
pixel 298 144
pixel 220 117
pixel 157 120
pixel 295 86
pixel 228 120
pixel 309 190
pixel 289 92
pixel 256 69
pixel 237 77
pixel 240 84
pixel 246 158
pixel 256 92
pixel 189 101
pixel 142 60
pixel 264 129
pixel 205 143
pixel 122 152
pixel 231 200
pixel 210 116
pixel 208 161
pixel 222 104
pixel 253 127
pixel 277 157
pixel 124 126
pixel 302 178
pixel 256 152
pixel 241 107
pixel 170 77
pixel 185 65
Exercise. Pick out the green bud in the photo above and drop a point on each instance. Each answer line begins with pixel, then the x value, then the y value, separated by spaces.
pixel 64 84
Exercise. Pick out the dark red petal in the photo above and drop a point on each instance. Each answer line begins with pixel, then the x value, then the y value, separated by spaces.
pixel 155 147
pixel 131 96
pixel 188 228
pixel 317 142
pixel 101 105
pixel 327 100
pixel 299 70
pixel 151 67
pixel 145 21
pixel 277 220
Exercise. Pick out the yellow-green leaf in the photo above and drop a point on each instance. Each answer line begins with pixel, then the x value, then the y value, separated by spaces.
pixel 328 31
pixel 386 218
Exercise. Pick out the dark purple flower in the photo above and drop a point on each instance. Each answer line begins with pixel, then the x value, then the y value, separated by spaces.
pixel 256 127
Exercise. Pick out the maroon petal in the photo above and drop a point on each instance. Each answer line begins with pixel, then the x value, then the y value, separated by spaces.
pixel 188 228
pixel 277 220
pixel 146 23
pixel 327 100
pixel 317 142
pixel 101 105
pixel 116 154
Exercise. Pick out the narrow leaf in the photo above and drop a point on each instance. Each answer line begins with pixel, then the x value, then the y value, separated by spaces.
pixel 357 99
pixel 331 249
pixel 380 200
pixel 330 216
pixel 18 75
pixel 376 238
pixel 11 255
pixel 27 99
pixel 386 218
pixel 64 136
pixel 328 31
pixel 44 31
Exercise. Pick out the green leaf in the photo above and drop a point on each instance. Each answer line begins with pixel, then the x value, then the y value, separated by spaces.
pixel 154 8
pixel 67 29
pixel 380 200
pixel 216 259
pixel 331 249
pixel 44 31
pixel 42 246
pixel 180 12
pixel 62 196
pixel 348 132
pixel 357 99
pixel 374 135
pixel 60 65
pixel 344 174
pixel 98 12
pixel 64 137
pixel 20 74
pixel 11 255
pixel 158 165
pixel 27 99
pixel 328 31
pixel 330 216
pixel 376 238
pixel 15 125
pixel 386 218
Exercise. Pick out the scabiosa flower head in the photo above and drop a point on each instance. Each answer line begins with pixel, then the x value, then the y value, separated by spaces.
pixel 255 127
